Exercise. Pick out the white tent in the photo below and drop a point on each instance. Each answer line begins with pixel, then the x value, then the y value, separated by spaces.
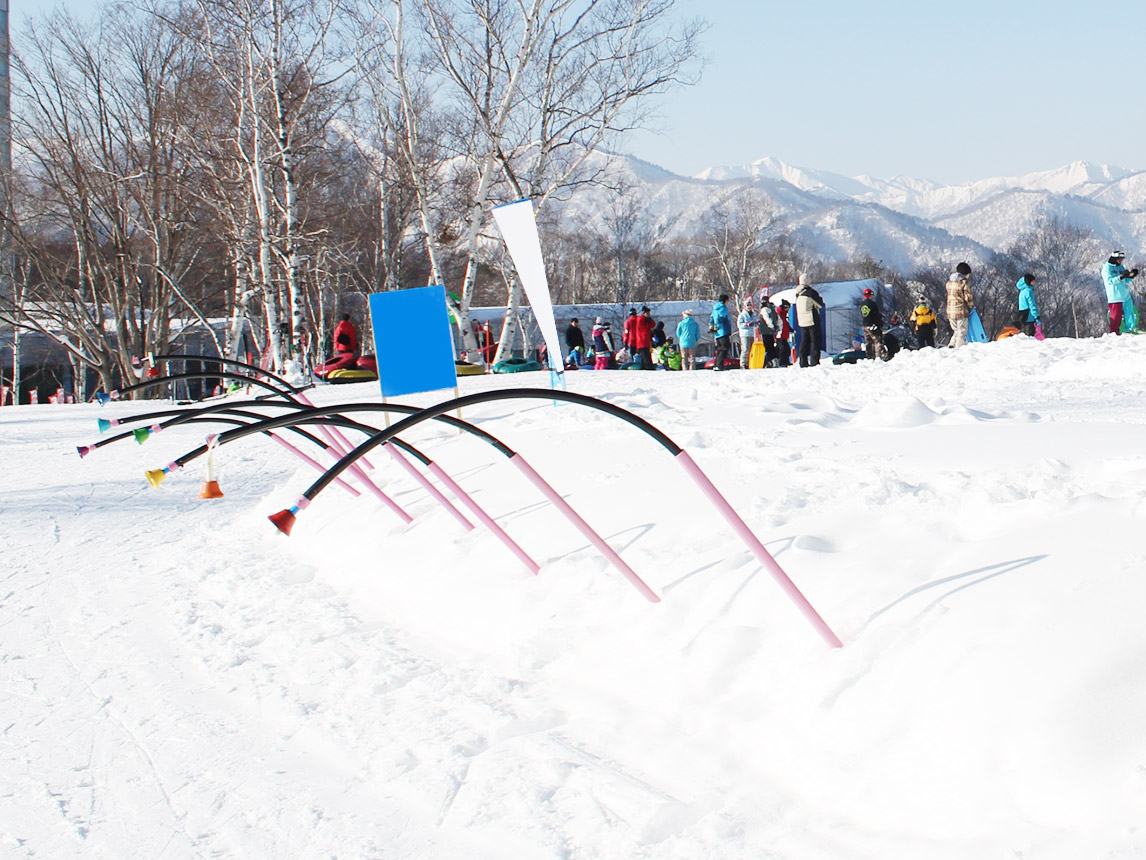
pixel 842 320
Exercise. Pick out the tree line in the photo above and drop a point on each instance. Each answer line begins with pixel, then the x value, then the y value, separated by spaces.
pixel 271 162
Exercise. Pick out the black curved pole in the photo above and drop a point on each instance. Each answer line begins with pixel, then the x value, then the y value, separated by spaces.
pixel 225 374
pixel 203 414
pixel 437 411
pixel 230 362
pixel 319 414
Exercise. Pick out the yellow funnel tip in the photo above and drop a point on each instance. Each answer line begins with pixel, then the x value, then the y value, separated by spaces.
pixel 155 477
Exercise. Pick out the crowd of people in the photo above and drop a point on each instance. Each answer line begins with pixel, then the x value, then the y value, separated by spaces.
pixel 776 334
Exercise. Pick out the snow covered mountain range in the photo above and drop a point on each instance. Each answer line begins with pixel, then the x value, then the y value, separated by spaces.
pixel 903 222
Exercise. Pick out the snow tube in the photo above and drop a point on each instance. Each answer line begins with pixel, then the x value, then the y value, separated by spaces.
pixel 851 356
pixel 1008 331
pixel 464 368
pixel 729 364
pixel 367 362
pixel 516 365
pixel 342 361
pixel 349 375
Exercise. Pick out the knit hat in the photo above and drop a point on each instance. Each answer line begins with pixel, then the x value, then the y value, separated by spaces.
pixel 686 312
pixel 1118 254
pixel 805 281
pixel 598 321
pixel 963 269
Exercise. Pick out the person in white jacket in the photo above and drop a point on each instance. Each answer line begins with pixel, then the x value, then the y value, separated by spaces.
pixel 746 323
pixel 809 303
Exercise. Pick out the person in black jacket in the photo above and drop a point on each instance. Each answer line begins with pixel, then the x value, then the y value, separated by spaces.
pixel 574 337
pixel 872 326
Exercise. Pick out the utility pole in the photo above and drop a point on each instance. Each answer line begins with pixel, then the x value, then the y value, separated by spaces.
pixel 7 288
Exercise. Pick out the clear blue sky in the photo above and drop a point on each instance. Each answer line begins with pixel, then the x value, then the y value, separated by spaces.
pixel 948 90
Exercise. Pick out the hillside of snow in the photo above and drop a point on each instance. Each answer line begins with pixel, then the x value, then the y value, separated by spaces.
pixel 904 222
pixel 182 681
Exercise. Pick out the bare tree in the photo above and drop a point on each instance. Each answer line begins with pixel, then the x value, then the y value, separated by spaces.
pixel 547 82
pixel 1063 256
pixel 735 233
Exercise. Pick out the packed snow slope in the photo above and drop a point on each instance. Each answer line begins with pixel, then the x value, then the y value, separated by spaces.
pixel 182 681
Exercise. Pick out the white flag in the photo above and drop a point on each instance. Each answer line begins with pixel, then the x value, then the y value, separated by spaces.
pixel 519 229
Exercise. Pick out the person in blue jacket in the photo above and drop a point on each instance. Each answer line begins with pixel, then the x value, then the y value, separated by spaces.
pixel 1117 280
pixel 1028 318
pixel 720 324
pixel 687 335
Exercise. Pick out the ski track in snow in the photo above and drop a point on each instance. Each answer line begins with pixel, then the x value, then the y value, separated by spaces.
pixel 183 682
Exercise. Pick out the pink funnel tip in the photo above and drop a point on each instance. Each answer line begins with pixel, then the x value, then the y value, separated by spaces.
pixel 84 450
pixel 283 520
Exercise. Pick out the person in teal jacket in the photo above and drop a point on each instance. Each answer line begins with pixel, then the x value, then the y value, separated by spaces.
pixel 687 335
pixel 1117 280
pixel 1028 317
pixel 720 324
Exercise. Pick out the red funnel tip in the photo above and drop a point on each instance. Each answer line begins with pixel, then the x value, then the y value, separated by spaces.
pixel 84 450
pixel 283 520
pixel 210 490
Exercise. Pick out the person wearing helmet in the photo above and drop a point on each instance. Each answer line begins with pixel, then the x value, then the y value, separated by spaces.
pixel 1116 279
pixel 960 303
pixel 1027 319
pixel 872 326
pixel 924 320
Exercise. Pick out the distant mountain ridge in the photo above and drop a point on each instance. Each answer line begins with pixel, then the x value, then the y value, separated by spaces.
pixel 902 221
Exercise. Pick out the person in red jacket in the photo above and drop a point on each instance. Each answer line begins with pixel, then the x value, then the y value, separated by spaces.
pixel 346 336
pixel 629 332
pixel 644 338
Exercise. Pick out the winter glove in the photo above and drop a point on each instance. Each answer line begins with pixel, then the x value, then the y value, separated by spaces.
pixel 1134 273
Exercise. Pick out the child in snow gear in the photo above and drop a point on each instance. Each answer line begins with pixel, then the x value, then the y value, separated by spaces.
pixel 1116 279
pixel 924 320
pixel 602 344
pixel 1028 317
pixel 783 335
pixel 872 326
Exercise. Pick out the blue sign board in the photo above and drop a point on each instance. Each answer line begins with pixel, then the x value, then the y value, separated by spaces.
pixel 413 341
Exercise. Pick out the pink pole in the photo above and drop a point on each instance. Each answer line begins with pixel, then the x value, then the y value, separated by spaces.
pixel 334 436
pixel 758 550
pixel 583 527
pixel 312 462
pixel 379 495
pixel 477 510
pixel 429 487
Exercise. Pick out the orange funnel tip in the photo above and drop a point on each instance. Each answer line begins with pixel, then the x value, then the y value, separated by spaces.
pixel 210 490
pixel 155 476
pixel 141 434
pixel 283 520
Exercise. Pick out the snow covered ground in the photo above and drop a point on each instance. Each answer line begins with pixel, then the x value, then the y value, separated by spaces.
pixel 182 681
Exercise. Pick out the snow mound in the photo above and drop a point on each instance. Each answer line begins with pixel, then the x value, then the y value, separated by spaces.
pixel 895 413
